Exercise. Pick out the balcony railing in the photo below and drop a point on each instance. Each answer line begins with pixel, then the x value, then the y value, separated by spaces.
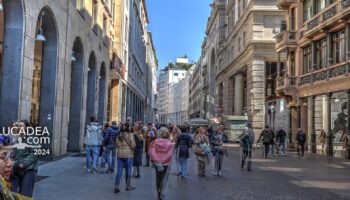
pixel 286 39
pixel 286 82
pixel 325 74
pixel 326 15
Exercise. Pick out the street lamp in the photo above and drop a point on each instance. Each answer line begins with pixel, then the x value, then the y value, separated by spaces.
pixel 40 35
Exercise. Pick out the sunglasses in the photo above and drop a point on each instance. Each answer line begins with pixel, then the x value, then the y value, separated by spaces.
pixel 6 155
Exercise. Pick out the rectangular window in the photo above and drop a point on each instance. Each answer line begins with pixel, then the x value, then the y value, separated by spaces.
pixel 94 12
pixel 307 5
pixel 338 47
pixel 307 59
pixel 320 4
pixel 104 25
pixel 321 53
pixel 292 63
pixel 176 74
pixel 293 20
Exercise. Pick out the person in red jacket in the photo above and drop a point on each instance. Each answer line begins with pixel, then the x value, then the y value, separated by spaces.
pixel 161 151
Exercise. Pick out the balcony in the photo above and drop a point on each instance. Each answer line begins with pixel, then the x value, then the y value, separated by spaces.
pixel 286 39
pixel 286 85
pixel 284 4
pixel 327 17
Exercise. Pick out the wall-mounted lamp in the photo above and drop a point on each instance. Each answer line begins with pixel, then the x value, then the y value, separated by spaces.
pixel 40 35
pixel 337 100
pixel 1 7
pixel 73 59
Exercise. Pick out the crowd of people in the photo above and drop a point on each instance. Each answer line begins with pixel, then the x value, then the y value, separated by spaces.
pixel 123 147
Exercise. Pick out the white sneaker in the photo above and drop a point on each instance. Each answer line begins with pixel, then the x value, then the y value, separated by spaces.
pixel 220 173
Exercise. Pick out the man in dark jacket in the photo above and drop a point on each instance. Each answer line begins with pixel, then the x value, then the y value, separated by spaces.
pixel 266 136
pixel 281 138
pixel 301 139
pixel 109 142
pixel 183 144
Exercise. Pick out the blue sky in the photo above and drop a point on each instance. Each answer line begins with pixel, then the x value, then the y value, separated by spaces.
pixel 178 27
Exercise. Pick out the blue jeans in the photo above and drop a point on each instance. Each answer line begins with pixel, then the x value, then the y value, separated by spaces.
pixel 283 147
pixel 127 164
pixel 92 152
pixel 183 166
pixel 110 156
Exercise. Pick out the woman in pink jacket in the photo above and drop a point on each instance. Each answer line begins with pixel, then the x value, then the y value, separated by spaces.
pixel 161 151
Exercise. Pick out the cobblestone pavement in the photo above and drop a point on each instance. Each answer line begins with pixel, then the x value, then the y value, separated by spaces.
pixel 66 179
pixel 279 177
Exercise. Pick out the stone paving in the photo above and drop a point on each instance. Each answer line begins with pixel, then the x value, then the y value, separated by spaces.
pixel 278 177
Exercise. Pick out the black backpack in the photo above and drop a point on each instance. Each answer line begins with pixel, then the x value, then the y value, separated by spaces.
pixel 302 137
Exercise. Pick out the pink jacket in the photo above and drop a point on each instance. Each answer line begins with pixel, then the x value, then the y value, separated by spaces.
pixel 161 151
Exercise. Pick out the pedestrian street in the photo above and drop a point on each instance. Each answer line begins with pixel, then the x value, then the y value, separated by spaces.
pixel 278 177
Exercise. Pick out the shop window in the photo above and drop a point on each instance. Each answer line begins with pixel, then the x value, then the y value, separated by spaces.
pixel 307 59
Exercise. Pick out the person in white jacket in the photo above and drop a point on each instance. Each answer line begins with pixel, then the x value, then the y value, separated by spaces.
pixel 92 142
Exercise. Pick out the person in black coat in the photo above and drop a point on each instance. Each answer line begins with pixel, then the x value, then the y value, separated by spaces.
pixel 183 144
pixel 137 162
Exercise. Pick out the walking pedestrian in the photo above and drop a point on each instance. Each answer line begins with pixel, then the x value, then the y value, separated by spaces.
pixel 137 162
pixel 281 139
pixel 217 142
pixel 201 154
pixel 246 150
pixel 182 146
pixel 92 142
pixel 322 140
pixel 150 136
pixel 103 152
pixel 161 152
pixel 301 139
pixel 126 146
pixel 272 143
pixel 247 140
pixel 110 143
pixel 266 136
pixel 25 168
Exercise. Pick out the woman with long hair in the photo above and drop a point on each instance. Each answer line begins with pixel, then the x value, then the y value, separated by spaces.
pixel 126 146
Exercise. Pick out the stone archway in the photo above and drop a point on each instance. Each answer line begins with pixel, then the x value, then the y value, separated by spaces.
pixel 102 94
pixel 11 60
pixel 45 72
pixel 76 96
pixel 91 88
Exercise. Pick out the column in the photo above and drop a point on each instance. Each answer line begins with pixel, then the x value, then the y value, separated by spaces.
pixel 299 116
pixel 278 65
pixel 313 129
pixel 238 100
pixel 329 52
pixel 348 122
pixel 290 125
pixel 347 46
pixel 330 134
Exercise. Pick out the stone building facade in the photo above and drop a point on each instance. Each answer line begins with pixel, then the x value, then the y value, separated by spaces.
pixel 55 66
pixel 315 40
